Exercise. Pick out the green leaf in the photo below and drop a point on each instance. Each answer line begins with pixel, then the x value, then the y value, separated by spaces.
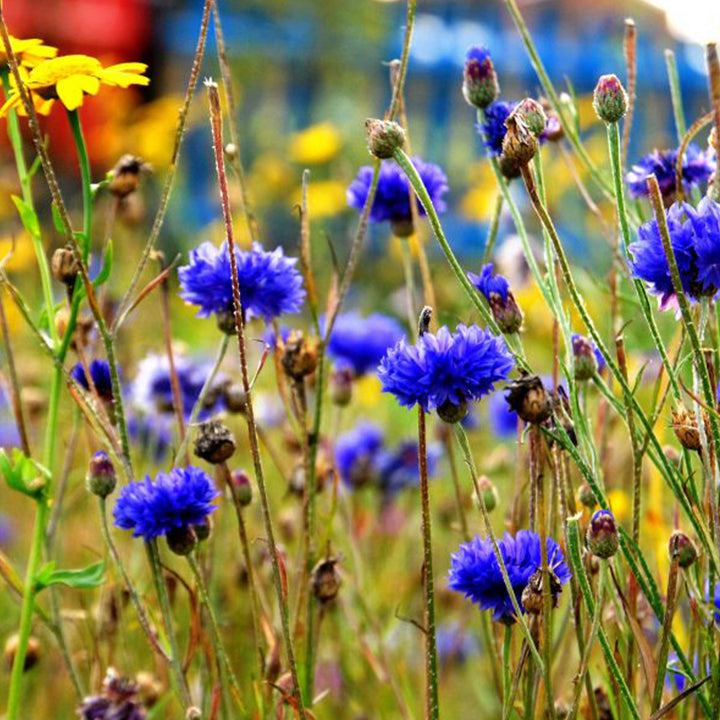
pixel 85 578
pixel 106 268
pixel 27 215
pixel 23 474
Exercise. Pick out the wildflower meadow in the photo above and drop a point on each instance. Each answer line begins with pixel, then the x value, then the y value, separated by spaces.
pixel 321 459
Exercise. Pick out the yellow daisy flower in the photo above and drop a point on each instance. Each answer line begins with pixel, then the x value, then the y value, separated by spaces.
pixel 29 52
pixel 70 77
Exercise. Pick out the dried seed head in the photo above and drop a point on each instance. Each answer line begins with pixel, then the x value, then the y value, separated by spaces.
pixel 610 99
pixel 520 143
pixel 532 595
pixel 299 355
pixel 685 427
pixel 326 580
pixel 384 137
pixel 234 397
pixel 149 687
pixel 682 547
pixel 64 266
pixel 214 442
pixel 125 176
pixel 529 399
pixel 532 114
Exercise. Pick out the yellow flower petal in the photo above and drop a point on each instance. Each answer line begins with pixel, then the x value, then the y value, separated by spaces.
pixel 70 91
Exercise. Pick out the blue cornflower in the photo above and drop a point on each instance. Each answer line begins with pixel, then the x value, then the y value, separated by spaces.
pixel 649 261
pixel 399 468
pixel 172 501
pixel 151 391
pixel 454 643
pixel 100 375
pixel 705 223
pixel 697 167
pixel 446 370
pixel 392 198
pixel 503 420
pixel 493 127
pixel 496 290
pixel 270 284
pixel 475 572
pixel 356 454
pixel 360 342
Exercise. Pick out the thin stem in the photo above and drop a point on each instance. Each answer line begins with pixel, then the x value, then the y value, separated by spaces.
pixel 402 72
pixel 86 181
pixel 27 609
pixel 493 230
pixel 675 94
pixel 450 453
pixel 431 668
pixel 671 602
pixel 129 586
pixel 181 686
pixel 226 671
pixel 579 570
pixel 630 52
pixel 216 126
pixel 519 615
pixel 506 660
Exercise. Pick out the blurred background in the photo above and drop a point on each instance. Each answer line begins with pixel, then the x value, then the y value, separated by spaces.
pixel 308 73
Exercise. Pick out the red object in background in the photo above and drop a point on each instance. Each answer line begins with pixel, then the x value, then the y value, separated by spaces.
pixel 111 30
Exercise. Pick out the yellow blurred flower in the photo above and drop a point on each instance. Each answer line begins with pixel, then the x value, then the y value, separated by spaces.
pixel 28 52
pixel 368 390
pixel 23 255
pixel 151 131
pixel 478 203
pixel 620 504
pixel 316 144
pixel 325 198
pixel 70 78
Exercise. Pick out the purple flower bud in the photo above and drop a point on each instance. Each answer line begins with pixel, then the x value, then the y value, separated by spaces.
pixel 480 85
pixel 602 535
pixel 610 100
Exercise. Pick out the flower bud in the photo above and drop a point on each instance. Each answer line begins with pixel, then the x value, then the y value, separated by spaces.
pixel 685 427
pixel 518 147
pixel 214 442
pixel 553 130
pixel 234 397
pixel 602 535
pixel 64 266
pixel 341 386
pixel 532 595
pixel 32 654
pixel 241 487
pixel 610 99
pixel 384 137
pixel 488 492
pixel 299 355
pixel 451 412
pixel 480 84
pixel 325 580
pixel 125 176
pixel 529 399
pixel 682 548
pixel 532 114
pixel 587 496
pixel 509 168
pixel 182 540
pixel 586 364
pixel 101 478
pixel 507 312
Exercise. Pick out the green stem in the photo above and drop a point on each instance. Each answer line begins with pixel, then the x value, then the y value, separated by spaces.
pixel 675 94
pixel 86 179
pixel 226 671
pixel 431 666
pixel 26 612
pixel 493 230
pixel 416 181
pixel 26 186
pixel 129 586
pixel 671 601
pixel 506 660
pixel 181 686
pixel 462 439
pixel 579 571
